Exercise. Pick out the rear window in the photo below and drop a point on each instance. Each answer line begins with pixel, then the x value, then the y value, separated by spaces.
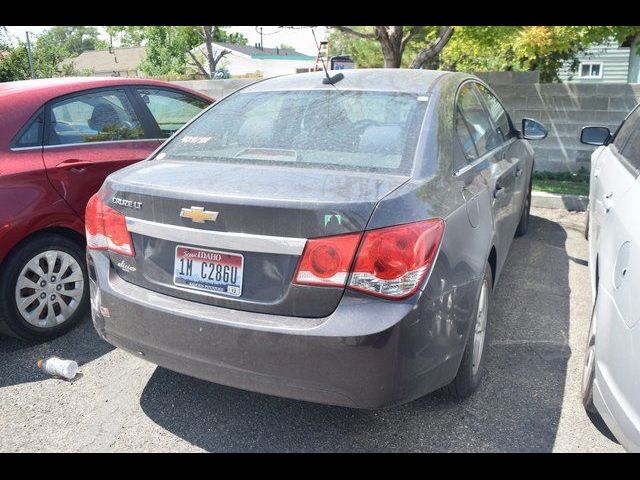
pixel 325 128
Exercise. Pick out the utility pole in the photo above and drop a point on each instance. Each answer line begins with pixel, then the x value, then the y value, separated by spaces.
pixel 33 73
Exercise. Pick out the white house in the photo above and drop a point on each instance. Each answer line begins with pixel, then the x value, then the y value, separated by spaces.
pixel 247 59
pixel 609 62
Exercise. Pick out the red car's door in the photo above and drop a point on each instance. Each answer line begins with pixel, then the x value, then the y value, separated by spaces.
pixel 90 135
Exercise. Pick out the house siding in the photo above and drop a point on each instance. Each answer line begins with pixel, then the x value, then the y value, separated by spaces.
pixel 614 60
pixel 634 63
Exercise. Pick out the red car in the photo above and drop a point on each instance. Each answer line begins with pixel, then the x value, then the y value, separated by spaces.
pixel 59 139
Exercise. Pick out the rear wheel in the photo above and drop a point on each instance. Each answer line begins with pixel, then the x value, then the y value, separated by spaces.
pixel 589 368
pixel 471 368
pixel 43 288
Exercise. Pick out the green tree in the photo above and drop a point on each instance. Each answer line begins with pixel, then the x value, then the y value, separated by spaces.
pixel 48 50
pixel 425 42
pixel 73 40
pixel 5 40
pixel 166 49
pixel 15 66
pixel 169 47
pixel 126 36
pixel 488 48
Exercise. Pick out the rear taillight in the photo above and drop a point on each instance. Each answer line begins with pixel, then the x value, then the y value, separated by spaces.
pixel 106 229
pixel 391 262
pixel 326 261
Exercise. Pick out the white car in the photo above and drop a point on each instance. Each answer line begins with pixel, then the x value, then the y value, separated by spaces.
pixel 611 378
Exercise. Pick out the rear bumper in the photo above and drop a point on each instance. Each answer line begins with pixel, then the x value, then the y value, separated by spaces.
pixel 368 353
pixel 620 421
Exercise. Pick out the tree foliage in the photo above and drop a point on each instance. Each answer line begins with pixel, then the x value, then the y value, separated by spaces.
pixel 489 48
pixel 168 47
pixel 394 41
pixel 5 41
pixel 48 50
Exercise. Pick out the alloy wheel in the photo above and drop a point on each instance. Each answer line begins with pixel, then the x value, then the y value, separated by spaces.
pixel 49 288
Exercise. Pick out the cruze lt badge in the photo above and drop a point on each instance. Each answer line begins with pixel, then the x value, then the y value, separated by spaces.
pixel 126 203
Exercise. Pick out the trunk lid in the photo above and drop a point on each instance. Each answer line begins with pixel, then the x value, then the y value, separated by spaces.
pixel 264 214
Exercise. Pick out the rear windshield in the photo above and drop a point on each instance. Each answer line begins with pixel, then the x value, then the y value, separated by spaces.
pixel 375 131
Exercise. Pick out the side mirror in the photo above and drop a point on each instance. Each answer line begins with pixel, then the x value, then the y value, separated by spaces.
pixel 533 130
pixel 595 135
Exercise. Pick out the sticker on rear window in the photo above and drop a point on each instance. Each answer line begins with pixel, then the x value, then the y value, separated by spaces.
pixel 188 139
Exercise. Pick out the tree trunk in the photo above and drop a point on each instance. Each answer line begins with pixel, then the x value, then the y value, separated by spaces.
pixel 392 58
pixel 390 39
pixel 208 38
pixel 434 49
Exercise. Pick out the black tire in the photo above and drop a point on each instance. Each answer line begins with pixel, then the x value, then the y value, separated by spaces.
pixel 11 321
pixel 468 378
pixel 523 225
pixel 589 367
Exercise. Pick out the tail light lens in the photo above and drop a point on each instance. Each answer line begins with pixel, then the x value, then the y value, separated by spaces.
pixel 106 229
pixel 391 262
pixel 326 261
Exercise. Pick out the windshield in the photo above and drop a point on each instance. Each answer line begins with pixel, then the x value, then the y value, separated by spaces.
pixel 324 128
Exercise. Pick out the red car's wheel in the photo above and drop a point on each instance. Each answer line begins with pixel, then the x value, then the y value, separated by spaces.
pixel 43 288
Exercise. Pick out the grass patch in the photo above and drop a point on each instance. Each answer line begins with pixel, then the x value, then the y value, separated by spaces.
pixel 562 183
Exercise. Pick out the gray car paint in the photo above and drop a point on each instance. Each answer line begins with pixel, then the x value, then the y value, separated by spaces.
pixel 321 344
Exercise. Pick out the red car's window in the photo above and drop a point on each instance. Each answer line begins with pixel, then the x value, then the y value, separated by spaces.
pixel 171 109
pixel 31 134
pixel 93 117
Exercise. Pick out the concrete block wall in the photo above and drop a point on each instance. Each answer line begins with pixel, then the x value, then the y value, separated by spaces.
pixel 563 108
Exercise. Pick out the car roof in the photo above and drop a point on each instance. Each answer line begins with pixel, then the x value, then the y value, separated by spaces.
pixel 372 79
pixel 54 87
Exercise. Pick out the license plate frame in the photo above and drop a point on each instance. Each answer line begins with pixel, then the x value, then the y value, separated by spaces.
pixel 208 285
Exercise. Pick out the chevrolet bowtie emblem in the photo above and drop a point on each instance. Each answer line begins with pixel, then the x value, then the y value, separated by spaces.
pixel 199 214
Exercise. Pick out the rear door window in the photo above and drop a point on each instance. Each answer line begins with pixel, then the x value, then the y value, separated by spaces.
pixel 31 134
pixel 473 115
pixel 463 132
pixel 497 112
pixel 171 109
pixel 105 115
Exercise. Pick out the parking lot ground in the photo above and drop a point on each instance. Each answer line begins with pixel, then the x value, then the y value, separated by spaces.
pixel 529 401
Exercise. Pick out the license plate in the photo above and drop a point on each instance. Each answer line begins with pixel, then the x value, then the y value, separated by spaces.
pixel 208 270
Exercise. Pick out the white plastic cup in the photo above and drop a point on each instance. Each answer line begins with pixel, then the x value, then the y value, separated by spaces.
pixel 59 367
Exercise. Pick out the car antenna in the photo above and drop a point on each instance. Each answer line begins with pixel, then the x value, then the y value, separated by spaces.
pixel 328 80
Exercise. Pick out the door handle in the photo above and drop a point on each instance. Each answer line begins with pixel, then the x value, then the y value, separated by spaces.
pixel 499 191
pixel 518 172
pixel 73 163
pixel 607 202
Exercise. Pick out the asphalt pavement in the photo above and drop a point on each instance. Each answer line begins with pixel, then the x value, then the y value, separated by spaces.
pixel 529 401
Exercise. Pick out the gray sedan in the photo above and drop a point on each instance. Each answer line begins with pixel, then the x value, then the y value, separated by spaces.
pixel 332 240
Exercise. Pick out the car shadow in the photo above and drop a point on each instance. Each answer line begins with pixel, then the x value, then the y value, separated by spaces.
pixel 516 409
pixel 18 358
